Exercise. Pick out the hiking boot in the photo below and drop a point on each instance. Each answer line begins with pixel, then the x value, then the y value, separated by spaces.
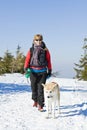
pixel 40 108
pixel 35 104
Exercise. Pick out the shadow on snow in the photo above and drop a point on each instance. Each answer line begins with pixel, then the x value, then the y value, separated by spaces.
pixel 73 90
pixel 76 109
pixel 70 110
pixel 73 110
pixel 8 88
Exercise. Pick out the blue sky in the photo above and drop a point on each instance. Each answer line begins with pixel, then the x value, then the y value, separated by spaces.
pixel 63 24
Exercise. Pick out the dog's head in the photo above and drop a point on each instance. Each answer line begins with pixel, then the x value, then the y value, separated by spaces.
pixel 49 89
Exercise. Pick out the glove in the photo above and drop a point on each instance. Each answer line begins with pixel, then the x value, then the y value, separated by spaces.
pixel 27 72
pixel 49 73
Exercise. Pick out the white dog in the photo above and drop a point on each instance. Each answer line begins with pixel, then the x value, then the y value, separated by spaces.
pixel 52 98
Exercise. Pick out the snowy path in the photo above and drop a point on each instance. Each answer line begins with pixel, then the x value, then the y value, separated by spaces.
pixel 17 113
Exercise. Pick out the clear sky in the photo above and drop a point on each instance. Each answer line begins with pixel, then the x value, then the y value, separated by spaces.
pixel 63 24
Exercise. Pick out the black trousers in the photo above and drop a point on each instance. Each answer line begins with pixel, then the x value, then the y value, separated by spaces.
pixel 36 85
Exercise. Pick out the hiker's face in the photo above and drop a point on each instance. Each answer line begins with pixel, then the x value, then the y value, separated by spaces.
pixel 37 41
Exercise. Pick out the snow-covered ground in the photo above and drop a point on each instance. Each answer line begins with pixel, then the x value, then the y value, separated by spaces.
pixel 17 113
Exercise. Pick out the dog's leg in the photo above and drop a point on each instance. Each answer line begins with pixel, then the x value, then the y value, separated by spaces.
pixel 58 100
pixel 53 109
pixel 47 110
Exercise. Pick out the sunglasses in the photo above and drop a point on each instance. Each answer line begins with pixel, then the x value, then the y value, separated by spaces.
pixel 38 40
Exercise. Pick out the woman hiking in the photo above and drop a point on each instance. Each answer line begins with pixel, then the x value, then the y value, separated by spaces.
pixel 38 60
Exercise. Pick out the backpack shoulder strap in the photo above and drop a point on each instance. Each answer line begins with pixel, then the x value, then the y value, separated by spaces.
pixel 31 50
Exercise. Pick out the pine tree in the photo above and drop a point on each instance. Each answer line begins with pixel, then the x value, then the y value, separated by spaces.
pixel 11 64
pixel 81 69
pixel 7 62
pixel 1 66
pixel 19 60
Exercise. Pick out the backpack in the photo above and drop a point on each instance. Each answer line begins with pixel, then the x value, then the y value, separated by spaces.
pixel 38 57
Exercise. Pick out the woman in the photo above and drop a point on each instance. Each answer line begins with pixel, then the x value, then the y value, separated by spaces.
pixel 39 61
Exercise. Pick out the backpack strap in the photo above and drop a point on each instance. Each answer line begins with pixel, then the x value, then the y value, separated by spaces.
pixel 31 50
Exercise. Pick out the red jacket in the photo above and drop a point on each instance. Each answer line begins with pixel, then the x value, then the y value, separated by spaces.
pixel 48 58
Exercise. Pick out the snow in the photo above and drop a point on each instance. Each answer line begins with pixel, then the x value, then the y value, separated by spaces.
pixel 17 113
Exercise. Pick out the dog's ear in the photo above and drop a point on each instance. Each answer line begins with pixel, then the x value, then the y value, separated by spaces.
pixel 43 85
pixel 53 86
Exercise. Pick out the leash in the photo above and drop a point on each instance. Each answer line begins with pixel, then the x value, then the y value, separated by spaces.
pixel 27 75
pixel 54 74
